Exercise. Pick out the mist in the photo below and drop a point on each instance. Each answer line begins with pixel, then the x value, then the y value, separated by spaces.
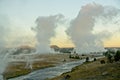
pixel 45 30
pixel 4 30
pixel 82 27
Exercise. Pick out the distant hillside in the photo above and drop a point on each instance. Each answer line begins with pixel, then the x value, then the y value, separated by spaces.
pixel 63 49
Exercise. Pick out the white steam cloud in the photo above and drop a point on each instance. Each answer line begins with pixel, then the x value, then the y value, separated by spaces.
pixel 81 28
pixel 4 30
pixel 45 30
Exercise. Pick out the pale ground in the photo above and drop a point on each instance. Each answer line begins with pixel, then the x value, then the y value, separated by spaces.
pixel 38 61
pixel 23 65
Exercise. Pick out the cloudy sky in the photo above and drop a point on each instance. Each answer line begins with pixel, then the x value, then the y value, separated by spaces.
pixel 20 22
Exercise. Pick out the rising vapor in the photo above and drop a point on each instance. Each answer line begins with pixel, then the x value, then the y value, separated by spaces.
pixel 4 30
pixel 45 31
pixel 81 28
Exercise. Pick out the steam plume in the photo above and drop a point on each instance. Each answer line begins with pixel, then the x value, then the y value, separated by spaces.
pixel 4 30
pixel 3 34
pixel 45 30
pixel 81 28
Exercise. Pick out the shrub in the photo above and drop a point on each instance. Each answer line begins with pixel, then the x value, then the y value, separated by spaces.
pixel 117 56
pixel 67 77
pixel 95 59
pixel 70 56
pixel 77 57
pixel 87 59
pixel 102 61
pixel 109 58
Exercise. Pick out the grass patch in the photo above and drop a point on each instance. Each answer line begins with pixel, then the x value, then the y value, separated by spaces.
pixel 93 71
pixel 20 69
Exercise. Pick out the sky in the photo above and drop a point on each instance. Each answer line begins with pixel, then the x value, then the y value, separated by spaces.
pixel 18 17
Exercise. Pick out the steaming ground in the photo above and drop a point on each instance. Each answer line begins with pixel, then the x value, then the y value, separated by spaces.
pixel 22 64
pixel 81 31
pixel 21 67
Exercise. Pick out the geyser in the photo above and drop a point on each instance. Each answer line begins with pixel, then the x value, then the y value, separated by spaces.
pixel 4 22
pixel 81 28
pixel 45 30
